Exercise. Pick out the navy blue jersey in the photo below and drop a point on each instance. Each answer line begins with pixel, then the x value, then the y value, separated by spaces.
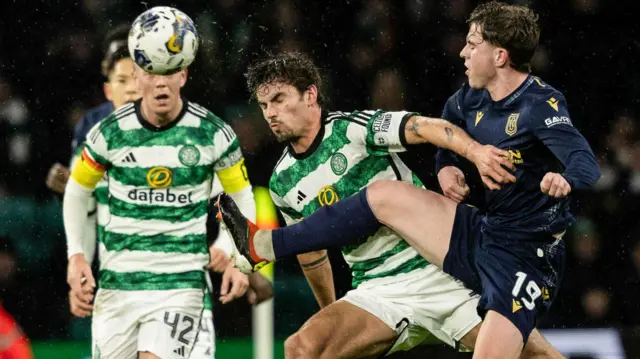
pixel 534 125
pixel 93 116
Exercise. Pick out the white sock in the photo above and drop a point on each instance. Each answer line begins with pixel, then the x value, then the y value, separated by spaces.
pixel 263 245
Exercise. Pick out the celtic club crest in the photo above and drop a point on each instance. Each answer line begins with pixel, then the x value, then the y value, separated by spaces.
pixel 189 155
pixel 338 163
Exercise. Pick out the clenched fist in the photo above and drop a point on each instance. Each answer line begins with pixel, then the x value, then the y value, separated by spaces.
pixel 555 185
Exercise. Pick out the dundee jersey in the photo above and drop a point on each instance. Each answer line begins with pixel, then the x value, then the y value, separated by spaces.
pixel 534 125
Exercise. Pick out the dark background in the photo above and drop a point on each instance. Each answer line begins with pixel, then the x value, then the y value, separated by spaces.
pixel 373 54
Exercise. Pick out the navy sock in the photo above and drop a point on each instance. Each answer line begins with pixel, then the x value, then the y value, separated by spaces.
pixel 346 222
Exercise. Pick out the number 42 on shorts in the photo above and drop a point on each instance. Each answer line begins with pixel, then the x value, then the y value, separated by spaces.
pixel 532 290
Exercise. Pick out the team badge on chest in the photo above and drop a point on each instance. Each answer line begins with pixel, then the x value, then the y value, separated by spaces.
pixel 338 163
pixel 512 124
pixel 189 155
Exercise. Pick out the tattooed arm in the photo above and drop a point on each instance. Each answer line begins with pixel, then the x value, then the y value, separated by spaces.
pixel 490 161
pixel 441 133
pixel 317 269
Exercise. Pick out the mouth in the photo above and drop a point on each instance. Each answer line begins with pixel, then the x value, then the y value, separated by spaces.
pixel 162 98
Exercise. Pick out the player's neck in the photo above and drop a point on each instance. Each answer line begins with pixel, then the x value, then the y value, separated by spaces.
pixel 163 119
pixel 505 82
pixel 302 143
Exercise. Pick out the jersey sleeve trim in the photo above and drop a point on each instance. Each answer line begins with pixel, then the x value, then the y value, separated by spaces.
pixel 403 125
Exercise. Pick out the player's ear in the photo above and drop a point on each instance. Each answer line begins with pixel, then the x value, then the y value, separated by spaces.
pixel 500 57
pixel 311 95
pixel 183 77
pixel 106 87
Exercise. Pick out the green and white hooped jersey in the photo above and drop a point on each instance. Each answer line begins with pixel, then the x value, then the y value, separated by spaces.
pixel 352 150
pixel 159 183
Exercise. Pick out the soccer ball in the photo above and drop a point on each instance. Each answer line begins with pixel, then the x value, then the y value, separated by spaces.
pixel 163 40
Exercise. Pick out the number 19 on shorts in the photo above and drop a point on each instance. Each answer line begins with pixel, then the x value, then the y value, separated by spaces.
pixel 532 292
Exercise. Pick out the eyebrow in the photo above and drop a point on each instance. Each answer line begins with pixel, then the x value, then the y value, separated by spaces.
pixel 272 97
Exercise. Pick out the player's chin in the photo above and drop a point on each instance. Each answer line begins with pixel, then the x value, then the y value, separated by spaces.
pixel 161 108
pixel 474 83
pixel 282 136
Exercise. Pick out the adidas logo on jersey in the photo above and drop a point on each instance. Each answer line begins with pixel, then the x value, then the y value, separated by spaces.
pixel 179 351
pixel 301 196
pixel 129 158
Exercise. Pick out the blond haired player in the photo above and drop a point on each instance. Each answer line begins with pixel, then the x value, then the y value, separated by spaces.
pixel 161 154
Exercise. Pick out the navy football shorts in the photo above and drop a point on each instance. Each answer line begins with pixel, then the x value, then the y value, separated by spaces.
pixel 517 274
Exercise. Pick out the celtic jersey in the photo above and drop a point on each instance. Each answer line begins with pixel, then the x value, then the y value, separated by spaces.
pixel 351 151
pixel 159 183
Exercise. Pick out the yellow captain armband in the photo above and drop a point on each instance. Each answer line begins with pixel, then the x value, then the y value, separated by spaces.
pixel 234 178
pixel 87 171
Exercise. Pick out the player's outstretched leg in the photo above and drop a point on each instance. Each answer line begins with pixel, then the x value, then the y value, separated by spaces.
pixel 423 218
pixel 350 220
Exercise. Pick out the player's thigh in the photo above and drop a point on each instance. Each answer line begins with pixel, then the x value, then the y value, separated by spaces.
pixel 499 338
pixel 423 218
pixel 205 342
pixel 538 347
pixel 114 324
pixel 170 328
pixel 341 330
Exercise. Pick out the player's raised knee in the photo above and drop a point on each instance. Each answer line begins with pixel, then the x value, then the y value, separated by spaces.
pixel 299 346
pixel 380 194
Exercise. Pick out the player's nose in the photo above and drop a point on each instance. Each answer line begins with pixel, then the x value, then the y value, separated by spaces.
pixel 160 81
pixel 270 112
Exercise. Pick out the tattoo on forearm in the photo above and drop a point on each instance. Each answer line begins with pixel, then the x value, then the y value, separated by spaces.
pixel 449 133
pixel 413 126
pixel 315 264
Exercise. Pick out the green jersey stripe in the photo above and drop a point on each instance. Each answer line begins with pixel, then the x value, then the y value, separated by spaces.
pixel 351 182
pixel 158 212
pixel 186 176
pixel 289 178
pixel 208 304
pixel 176 136
pixel 416 180
pixel 150 281
pixel 290 212
pixel 369 264
pixel 193 243
pixel 102 195
pixel 417 262
pixel 101 233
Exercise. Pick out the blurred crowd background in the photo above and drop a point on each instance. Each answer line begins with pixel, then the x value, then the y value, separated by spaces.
pixel 387 54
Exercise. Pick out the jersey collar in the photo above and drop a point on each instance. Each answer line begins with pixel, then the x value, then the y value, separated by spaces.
pixel 316 141
pixel 516 93
pixel 168 126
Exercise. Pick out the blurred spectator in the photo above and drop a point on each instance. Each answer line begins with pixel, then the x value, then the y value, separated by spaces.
pixel 389 90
